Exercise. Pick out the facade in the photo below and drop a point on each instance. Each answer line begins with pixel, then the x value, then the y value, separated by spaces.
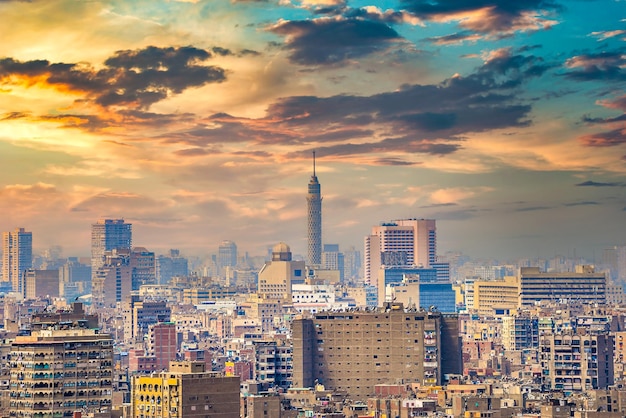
pixel 226 255
pixel 139 315
pixel 113 279
pixel 17 256
pixel 584 286
pixel 273 363
pixel 185 391
pixel 277 275
pixel 163 344
pixel 520 332
pixel 314 220
pixel 40 283
pixel 55 372
pixel 107 235
pixel 403 242
pixel 394 276
pixel 143 267
pixel 576 362
pixel 491 296
pixel 355 350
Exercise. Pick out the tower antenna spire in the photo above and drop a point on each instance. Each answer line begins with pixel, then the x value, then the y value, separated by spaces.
pixel 313 163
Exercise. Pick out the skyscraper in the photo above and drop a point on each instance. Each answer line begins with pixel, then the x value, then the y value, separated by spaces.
pixel 17 256
pixel 403 242
pixel 226 255
pixel 314 204
pixel 107 235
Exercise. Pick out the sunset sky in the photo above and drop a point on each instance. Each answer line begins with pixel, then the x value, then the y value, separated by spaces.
pixel 196 121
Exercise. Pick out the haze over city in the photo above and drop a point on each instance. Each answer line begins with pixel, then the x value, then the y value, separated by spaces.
pixel 196 121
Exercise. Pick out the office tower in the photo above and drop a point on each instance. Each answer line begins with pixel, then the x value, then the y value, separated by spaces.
pixel 40 283
pixel 584 286
pixel 17 256
pixel 186 390
pixel 277 275
pixel 492 297
pixel 403 242
pixel 74 279
pixel 576 362
pixel 314 218
pixel 112 281
pixel 143 267
pixel 107 235
pixel 333 259
pixel 63 366
pixel 171 266
pixel 227 255
pixel 354 351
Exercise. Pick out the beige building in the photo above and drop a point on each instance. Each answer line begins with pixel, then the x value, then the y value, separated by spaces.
pixel 583 286
pixel 55 372
pixel 500 295
pixel 353 351
pixel 186 390
pixel 40 283
pixel 277 275
pixel 17 256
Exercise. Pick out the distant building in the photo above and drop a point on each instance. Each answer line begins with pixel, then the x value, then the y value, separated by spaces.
pixel 112 281
pixel 226 257
pixel 355 350
pixel 186 390
pixel 17 256
pixel 495 296
pixel 171 266
pixel 163 343
pixel 403 242
pixel 333 259
pixel 40 283
pixel 107 235
pixel 584 286
pixel 277 275
pixel 143 267
pixel 74 279
pixel 139 315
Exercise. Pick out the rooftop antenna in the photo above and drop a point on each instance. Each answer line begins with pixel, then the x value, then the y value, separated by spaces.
pixel 313 163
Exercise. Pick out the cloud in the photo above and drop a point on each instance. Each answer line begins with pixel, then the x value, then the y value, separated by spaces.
pixel 130 78
pixel 607 66
pixel 591 183
pixel 604 35
pixel 454 39
pixel 584 203
pixel 499 18
pixel 605 139
pixel 333 41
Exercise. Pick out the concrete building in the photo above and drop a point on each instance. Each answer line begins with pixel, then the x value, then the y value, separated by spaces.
pixel 520 332
pixel 403 242
pixel 355 350
pixel 576 362
pixel 163 344
pixel 491 296
pixel 17 256
pixel 143 265
pixel 107 235
pixel 40 283
pixel 584 286
pixel 113 279
pixel 277 275
pixel 185 391
pixel 139 315
pixel 273 363
pixel 314 220
pixel 170 266
pixel 64 365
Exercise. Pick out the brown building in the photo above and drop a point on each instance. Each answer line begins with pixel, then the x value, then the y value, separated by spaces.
pixel 354 351
pixel 186 390
pixel 260 406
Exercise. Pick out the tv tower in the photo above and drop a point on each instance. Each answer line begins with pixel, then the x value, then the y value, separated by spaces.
pixel 314 203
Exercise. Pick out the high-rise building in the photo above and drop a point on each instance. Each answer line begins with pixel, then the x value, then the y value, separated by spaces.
pixel 107 235
pixel 143 267
pixel 163 344
pixel 112 281
pixel 64 365
pixel 40 283
pixel 17 256
pixel 353 351
pixel 403 242
pixel 171 266
pixel 227 254
pixel 314 218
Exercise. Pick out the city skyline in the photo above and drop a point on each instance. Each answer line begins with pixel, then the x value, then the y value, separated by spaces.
pixel 195 121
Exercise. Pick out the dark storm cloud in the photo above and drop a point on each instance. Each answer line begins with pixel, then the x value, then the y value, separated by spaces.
pixel 608 66
pixel 500 15
pixel 326 41
pixel 136 78
pixel 591 183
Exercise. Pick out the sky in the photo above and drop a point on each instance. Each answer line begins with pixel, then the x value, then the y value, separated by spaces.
pixel 196 121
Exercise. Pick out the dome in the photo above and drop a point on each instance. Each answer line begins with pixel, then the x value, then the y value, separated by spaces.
pixel 281 252
pixel 281 247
